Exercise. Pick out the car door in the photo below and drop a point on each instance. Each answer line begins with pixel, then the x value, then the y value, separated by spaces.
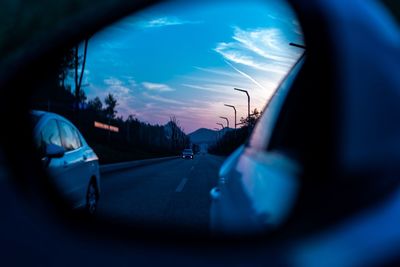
pixel 75 177
pixel 258 186
pixel 49 134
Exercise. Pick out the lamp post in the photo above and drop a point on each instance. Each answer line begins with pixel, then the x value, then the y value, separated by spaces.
pixel 220 124
pixel 297 45
pixel 227 121
pixel 248 101
pixel 234 108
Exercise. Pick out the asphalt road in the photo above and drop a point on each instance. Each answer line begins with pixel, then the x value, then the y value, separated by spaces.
pixel 173 192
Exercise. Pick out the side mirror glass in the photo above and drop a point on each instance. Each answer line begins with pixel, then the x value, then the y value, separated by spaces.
pixel 54 151
pixel 161 99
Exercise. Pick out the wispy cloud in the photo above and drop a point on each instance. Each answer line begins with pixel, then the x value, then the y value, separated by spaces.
pixel 296 27
pixel 219 72
pixel 162 99
pixel 245 75
pixel 165 21
pixel 215 88
pixel 116 86
pixel 157 87
pixel 264 49
pixel 122 92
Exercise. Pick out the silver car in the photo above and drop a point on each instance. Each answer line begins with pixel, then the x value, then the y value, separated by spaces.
pixel 187 154
pixel 257 188
pixel 69 160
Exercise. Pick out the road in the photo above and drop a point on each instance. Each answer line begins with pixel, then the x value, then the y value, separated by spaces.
pixel 173 192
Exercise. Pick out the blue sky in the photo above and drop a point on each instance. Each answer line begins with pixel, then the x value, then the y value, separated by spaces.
pixel 184 59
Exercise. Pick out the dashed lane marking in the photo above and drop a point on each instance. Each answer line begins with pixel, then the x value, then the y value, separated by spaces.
pixel 181 185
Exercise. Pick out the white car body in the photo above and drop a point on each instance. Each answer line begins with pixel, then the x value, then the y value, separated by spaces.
pixel 76 169
pixel 257 188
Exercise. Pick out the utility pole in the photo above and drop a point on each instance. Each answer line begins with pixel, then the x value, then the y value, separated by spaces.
pixel 234 108
pixel 227 121
pixel 248 101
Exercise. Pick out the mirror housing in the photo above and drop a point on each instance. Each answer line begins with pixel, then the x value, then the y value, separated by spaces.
pixel 54 151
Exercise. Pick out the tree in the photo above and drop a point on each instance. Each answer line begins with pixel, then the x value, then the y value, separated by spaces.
pixel 66 65
pixel 251 122
pixel 96 104
pixel 178 138
pixel 78 78
pixel 111 104
pixel 174 124
pixel 82 97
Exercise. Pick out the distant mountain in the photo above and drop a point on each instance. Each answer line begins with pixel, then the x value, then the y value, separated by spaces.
pixel 206 136
pixel 203 135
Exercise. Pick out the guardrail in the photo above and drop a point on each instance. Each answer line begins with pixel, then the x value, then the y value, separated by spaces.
pixel 108 168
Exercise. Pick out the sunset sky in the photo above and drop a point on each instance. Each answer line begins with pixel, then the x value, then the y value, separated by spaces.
pixel 185 59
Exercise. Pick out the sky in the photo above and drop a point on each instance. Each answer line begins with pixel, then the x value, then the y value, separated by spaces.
pixel 184 59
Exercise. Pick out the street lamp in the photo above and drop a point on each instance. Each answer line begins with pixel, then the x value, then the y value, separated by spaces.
pixel 297 45
pixel 227 121
pixel 220 124
pixel 248 101
pixel 234 108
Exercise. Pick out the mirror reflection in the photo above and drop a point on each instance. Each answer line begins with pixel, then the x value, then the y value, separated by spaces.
pixel 137 120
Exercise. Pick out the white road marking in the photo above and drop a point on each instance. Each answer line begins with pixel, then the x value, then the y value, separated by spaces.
pixel 181 185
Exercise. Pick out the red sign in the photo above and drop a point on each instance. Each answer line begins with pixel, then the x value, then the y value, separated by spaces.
pixel 106 127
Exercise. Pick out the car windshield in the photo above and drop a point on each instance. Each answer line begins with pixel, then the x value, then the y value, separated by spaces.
pixel 188 151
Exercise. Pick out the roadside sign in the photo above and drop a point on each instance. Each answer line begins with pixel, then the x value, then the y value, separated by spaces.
pixel 106 127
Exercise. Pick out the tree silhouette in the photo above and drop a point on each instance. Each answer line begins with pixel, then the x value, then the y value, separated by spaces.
pixel 111 104
pixel 78 78
pixel 65 66
pixel 232 139
pixel 95 104
pixel 251 122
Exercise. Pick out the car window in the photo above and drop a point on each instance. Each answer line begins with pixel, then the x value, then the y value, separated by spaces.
pixel 302 120
pixel 48 135
pixel 268 128
pixel 70 137
pixel 289 127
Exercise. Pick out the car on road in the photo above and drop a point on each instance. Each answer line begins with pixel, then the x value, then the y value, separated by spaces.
pixel 71 164
pixel 187 154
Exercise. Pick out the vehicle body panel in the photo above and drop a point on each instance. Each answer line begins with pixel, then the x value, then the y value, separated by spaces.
pixel 72 172
pixel 257 187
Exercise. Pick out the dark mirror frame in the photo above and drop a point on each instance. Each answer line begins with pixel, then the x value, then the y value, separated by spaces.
pixel 31 55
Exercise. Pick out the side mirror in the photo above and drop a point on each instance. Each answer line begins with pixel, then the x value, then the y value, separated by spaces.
pixel 54 151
